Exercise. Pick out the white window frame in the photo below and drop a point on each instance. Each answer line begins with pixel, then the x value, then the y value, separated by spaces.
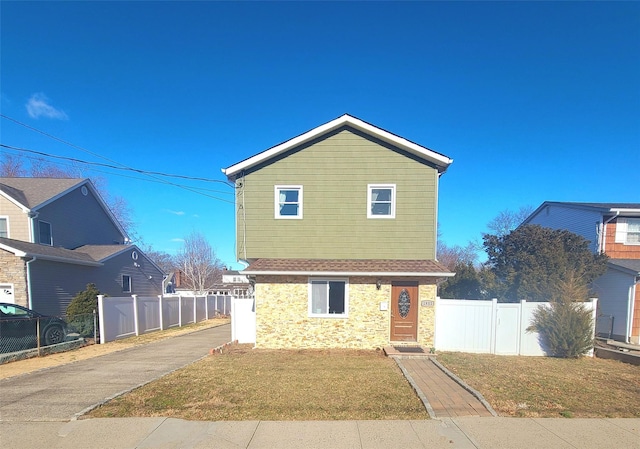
pixel 6 220
pixel 276 198
pixel 130 284
pixel 50 243
pixel 370 188
pixel 622 230
pixel 310 311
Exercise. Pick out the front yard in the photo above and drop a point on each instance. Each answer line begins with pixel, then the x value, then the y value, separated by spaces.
pixel 551 387
pixel 247 384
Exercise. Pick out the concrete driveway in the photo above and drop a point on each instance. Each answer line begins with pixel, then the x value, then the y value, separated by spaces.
pixel 63 392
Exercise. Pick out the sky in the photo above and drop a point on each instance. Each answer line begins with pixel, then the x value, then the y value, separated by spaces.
pixel 533 101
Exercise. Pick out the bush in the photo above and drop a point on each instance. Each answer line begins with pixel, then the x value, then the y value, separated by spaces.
pixel 565 329
pixel 80 310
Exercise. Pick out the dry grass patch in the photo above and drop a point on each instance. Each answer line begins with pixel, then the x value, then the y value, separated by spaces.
pixel 251 384
pixel 551 387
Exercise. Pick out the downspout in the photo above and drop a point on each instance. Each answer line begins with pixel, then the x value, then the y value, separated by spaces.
pixel 32 225
pixel 603 235
pixel 632 301
pixel 30 302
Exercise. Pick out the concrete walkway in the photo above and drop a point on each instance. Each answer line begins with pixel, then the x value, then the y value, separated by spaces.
pixel 451 433
pixel 63 392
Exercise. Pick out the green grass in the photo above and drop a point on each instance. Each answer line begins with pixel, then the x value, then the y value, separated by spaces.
pixel 250 384
pixel 551 387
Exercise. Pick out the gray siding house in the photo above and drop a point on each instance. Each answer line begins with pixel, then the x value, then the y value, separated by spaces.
pixel 612 229
pixel 58 235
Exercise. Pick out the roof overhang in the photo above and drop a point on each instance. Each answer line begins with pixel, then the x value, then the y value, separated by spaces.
pixel 52 258
pixel 440 160
pixel 348 273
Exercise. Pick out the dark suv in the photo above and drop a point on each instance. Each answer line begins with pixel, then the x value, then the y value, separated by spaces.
pixel 18 328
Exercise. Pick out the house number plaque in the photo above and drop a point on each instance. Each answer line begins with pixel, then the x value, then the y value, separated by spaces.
pixel 404 303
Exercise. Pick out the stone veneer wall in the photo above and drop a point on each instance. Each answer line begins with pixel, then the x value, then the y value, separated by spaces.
pixel 282 319
pixel 13 271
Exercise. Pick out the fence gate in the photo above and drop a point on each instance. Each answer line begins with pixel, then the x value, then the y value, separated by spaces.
pixel 488 327
pixel 243 319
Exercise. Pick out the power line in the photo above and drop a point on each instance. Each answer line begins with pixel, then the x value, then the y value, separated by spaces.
pixel 122 166
pixel 123 175
pixel 100 164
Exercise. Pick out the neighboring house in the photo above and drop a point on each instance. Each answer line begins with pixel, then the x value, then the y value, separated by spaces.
pixel 612 229
pixel 338 228
pixel 58 235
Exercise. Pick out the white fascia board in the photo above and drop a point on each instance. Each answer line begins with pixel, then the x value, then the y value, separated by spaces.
pixel 24 208
pixel 346 119
pixel 344 273
pixel 627 212
pixel 13 251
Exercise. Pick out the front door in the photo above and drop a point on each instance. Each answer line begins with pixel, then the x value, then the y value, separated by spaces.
pixel 404 311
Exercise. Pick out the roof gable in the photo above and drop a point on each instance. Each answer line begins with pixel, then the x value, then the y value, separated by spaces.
pixel 32 193
pixel 605 209
pixel 441 161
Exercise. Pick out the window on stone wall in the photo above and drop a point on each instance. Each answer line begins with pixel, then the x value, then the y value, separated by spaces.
pixel 328 298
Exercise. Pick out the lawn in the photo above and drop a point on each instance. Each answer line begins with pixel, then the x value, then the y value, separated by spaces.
pixel 550 387
pixel 249 384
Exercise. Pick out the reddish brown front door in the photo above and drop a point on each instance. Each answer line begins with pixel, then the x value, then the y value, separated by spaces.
pixel 404 311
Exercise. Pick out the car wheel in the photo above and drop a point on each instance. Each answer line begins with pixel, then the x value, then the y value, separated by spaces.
pixel 53 335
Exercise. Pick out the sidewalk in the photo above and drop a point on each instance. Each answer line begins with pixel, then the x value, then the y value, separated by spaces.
pixel 452 433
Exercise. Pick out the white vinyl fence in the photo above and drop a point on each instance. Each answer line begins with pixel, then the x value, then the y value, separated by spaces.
pixel 243 319
pixel 489 327
pixel 122 317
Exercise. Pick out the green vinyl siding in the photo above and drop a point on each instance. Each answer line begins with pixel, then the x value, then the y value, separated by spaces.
pixel 334 173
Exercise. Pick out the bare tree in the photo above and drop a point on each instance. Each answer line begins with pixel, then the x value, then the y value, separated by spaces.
pixel 198 263
pixel 508 220
pixel 450 256
pixel 11 166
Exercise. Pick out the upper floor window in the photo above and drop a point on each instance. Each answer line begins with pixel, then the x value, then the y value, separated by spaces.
pixel 381 201
pixel 45 233
pixel 4 227
pixel 328 298
pixel 628 231
pixel 126 283
pixel 288 202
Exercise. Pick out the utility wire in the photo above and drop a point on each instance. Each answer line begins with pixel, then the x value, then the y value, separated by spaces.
pixel 33 158
pixel 100 164
pixel 124 167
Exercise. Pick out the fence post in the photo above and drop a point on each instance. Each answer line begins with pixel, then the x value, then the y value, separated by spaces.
pixel 179 310
pixel 101 317
pixel 206 307
pixel 494 325
pixel 160 302
pixel 135 314
pixel 195 309
pixel 594 317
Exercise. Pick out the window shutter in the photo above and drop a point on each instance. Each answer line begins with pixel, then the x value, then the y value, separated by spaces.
pixel 621 230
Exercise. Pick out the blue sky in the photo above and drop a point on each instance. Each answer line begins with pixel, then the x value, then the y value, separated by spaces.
pixel 533 101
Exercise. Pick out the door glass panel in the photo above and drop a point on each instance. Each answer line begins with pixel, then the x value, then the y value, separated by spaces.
pixel 404 303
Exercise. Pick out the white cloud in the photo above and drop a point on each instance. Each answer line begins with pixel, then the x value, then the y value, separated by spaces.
pixel 38 106
pixel 175 212
pixel 177 240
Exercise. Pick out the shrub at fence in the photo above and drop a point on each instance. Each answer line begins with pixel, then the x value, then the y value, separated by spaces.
pixel 80 311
